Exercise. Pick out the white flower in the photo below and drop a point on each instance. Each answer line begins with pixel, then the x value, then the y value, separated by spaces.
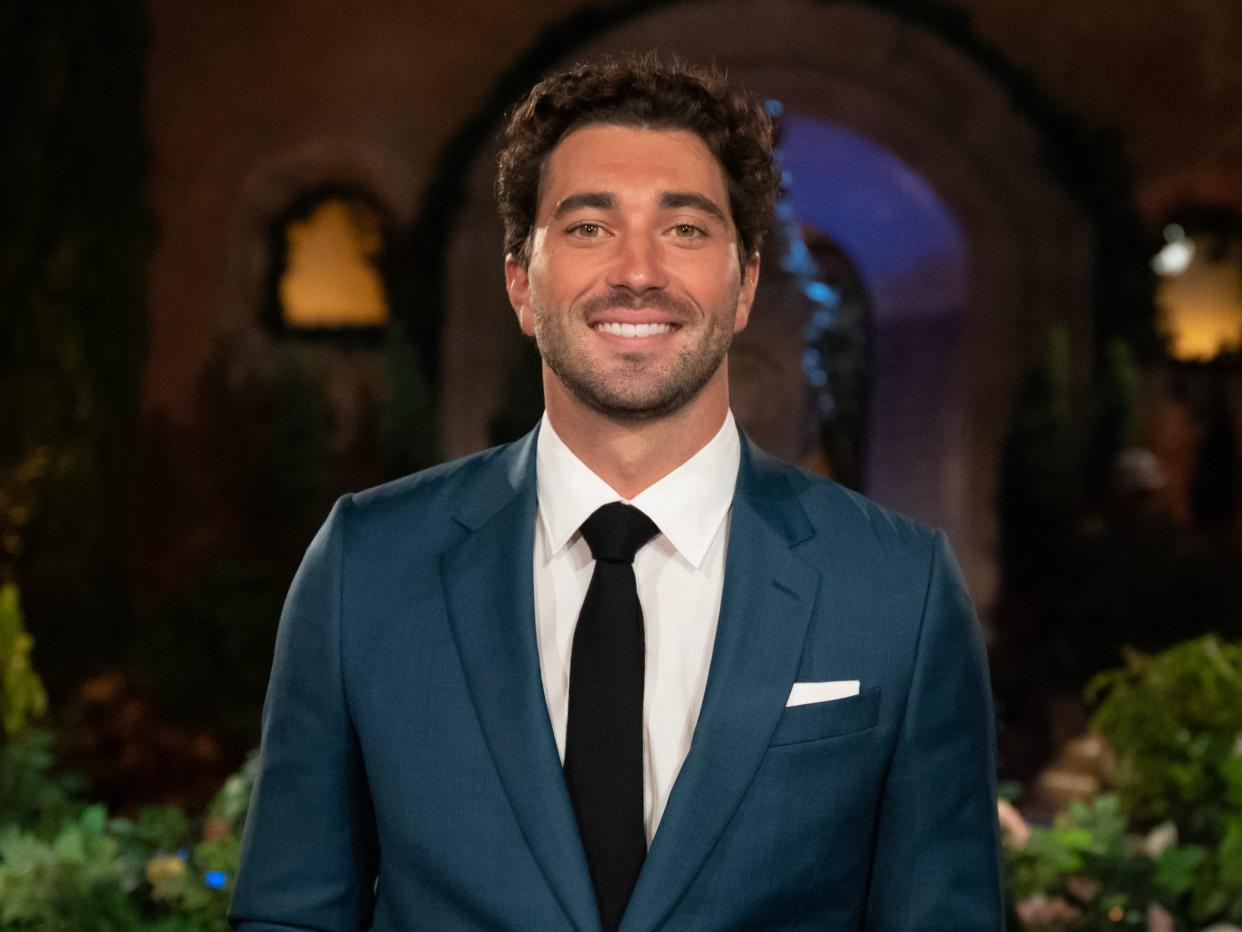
pixel 1159 838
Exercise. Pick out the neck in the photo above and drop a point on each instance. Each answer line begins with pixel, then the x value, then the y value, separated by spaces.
pixel 632 455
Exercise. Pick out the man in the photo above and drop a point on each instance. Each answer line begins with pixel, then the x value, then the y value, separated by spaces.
pixel 628 672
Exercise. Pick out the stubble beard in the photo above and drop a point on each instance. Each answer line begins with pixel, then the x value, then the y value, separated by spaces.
pixel 638 389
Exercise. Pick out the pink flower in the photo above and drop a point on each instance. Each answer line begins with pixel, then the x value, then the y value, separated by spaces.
pixel 1014 829
pixel 1040 910
pixel 1158 920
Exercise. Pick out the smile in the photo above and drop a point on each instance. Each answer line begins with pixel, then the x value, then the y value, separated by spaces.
pixel 634 330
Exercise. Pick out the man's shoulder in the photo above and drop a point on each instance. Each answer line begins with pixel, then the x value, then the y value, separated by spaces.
pixel 873 557
pixel 430 483
pixel 837 511
pixel 432 498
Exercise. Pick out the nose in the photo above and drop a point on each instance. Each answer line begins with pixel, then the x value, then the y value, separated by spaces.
pixel 638 265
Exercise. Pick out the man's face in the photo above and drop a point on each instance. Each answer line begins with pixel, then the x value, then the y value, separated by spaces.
pixel 633 290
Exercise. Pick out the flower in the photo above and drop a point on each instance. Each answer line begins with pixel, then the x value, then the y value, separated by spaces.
pixel 215 828
pixel 166 875
pixel 1043 910
pixel 1084 888
pixel 1159 920
pixel 215 879
pixel 1013 827
pixel 1162 836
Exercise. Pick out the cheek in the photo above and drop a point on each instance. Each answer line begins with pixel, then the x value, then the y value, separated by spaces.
pixel 717 295
pixel 556 285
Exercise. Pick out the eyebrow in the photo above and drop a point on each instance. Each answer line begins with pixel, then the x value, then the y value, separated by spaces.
pixel 597 200
pixel 671 200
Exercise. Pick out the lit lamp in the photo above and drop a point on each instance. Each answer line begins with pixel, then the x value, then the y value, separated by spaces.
pixel 1199 294
pixel 330 279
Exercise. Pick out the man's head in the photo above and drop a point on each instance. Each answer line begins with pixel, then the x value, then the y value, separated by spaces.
pixel 639 92
pixel 635 199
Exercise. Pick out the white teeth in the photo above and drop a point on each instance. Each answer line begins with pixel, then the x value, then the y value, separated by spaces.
pixel 633 330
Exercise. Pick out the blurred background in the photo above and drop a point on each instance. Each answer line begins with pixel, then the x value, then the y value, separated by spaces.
pixel 250 261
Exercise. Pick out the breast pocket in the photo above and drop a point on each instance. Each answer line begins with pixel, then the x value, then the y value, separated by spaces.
pixel 831 719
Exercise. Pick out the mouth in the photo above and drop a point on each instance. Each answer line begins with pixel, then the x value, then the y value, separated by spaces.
pixel 633 331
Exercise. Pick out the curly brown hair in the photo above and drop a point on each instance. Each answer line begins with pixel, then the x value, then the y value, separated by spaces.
pixel 640 91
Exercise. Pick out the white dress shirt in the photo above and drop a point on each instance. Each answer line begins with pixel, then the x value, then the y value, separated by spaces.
pixel 679 572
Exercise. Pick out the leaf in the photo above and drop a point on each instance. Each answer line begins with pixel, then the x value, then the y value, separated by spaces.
pixel 1176 866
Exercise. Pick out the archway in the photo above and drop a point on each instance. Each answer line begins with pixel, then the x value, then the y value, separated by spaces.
pixel 957 325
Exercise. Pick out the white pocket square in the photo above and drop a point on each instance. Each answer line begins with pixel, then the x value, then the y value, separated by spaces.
pixel 806 693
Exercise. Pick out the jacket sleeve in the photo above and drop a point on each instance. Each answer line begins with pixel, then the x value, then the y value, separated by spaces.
pixel 936 860
pixel 309 852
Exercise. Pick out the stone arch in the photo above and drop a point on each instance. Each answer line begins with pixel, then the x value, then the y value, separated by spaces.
pixel 941 114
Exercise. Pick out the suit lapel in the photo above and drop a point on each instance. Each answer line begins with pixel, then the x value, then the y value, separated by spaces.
pixel 765 607
pixel 488 588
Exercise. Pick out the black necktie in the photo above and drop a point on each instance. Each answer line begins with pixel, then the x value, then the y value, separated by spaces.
pixel 603 736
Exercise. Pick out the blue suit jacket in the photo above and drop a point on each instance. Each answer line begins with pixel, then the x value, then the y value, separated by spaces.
pixel 410 780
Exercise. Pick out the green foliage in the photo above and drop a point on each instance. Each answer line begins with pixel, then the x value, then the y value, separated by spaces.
pixel 149 874
pixel 33 795
pixel 1087 861
pixel 102 874
pixel 1104 877
pixel 66 867
pixel 22 696
pixel 77 880
pixel 230 804
pixel 1174 722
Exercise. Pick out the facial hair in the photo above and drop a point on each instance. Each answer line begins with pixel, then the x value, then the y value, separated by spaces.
pixel 634 386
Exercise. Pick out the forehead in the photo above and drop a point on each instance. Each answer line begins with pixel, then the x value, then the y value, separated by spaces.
pixel 633 163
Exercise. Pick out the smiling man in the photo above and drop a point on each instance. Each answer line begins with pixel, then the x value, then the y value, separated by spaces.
pixel 632 281
pixel 628 672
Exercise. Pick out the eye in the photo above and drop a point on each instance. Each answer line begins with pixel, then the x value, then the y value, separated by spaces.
pixel 586 229
pixel 689 231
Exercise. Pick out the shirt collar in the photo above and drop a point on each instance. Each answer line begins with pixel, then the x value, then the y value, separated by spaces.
pixel 687 505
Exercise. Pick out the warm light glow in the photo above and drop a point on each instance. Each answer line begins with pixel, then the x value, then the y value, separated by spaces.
pixel 331 279
pixel 1174 258
pixel 1177 254
pixel 1201 309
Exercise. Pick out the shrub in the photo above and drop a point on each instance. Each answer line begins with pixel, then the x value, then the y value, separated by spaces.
pixel 1174 721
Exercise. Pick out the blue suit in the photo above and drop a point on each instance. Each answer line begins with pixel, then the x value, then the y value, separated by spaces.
pixel 406 737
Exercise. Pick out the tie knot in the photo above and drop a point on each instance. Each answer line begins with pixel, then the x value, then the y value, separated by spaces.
pixel 616 531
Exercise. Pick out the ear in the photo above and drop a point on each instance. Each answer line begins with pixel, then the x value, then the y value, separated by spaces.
pixel 746 294
pixel 517 285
